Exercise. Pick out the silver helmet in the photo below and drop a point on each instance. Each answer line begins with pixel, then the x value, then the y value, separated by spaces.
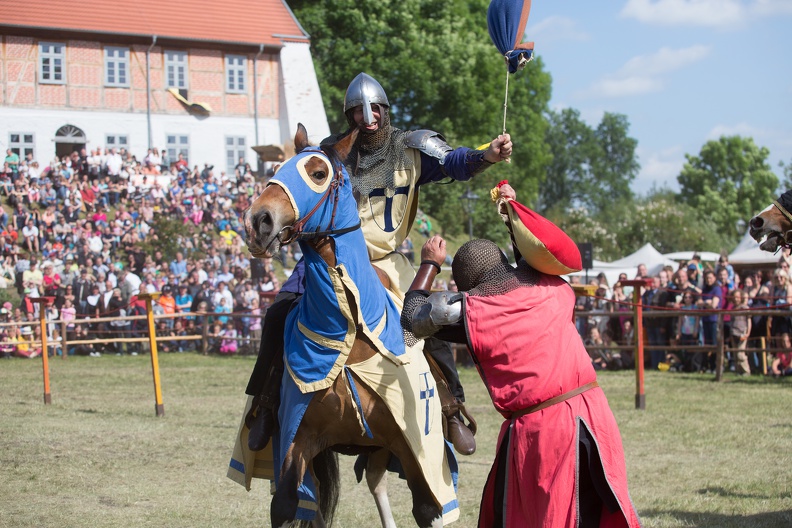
pixel 365 90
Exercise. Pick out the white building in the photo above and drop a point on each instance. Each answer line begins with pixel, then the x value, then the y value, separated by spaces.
pixel 208 79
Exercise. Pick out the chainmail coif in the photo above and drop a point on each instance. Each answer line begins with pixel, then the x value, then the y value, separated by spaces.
pixel 375 157
pixel 481 269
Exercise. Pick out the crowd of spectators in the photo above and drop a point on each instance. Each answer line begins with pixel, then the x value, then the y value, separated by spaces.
pixel 693 286
pixel 81 228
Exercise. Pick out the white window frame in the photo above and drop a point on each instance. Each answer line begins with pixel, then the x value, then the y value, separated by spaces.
pixel 236 73
pixel 116 59
pixel 115 143
pixel 235 148
pixel 49 57
pixel 176 65
pixel 22 146
pixel 177 146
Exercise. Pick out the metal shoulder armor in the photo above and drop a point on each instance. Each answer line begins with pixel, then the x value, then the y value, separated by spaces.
pixel 429 142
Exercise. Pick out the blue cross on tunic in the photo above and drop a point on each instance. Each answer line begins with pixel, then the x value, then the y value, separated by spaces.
pixel 389 227
pixel 426 394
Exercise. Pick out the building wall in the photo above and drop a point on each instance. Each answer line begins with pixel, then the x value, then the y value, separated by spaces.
pixel 206 136
pixel 27 106
pixel 85 90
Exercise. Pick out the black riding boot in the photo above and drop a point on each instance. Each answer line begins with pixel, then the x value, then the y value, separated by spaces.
pixel 265 381
pixel 262 419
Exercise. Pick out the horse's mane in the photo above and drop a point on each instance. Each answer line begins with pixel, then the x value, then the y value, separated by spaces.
pixel 332 155
pixel 786 200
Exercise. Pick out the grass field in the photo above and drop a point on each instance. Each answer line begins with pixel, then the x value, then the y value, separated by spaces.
pixel 701 454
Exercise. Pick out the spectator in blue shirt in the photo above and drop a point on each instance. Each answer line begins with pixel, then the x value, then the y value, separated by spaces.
pixel 179 266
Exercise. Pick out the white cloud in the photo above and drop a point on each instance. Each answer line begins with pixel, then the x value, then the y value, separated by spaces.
pixel 664 60
pixel 642 74
pixel 556 28
pixel 625 86
pixel 709 13
pixel 740 129
pixel 773 7
pixel 658 168
pixel 716 13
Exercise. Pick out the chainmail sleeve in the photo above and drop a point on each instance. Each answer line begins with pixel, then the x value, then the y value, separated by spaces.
pixel 412 302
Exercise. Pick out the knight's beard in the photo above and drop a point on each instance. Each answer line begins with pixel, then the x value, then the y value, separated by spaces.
pixel 373 141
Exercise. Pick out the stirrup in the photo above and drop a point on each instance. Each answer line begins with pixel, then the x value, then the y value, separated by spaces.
pixel 458 407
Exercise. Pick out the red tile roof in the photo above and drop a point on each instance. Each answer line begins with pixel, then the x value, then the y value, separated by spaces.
pixel 267 22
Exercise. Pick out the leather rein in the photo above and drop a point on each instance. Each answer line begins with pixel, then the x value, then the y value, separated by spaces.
pixel 296 231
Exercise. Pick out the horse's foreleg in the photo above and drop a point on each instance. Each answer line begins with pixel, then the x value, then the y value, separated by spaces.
pixel 426 511
pixel 377 480
pixel 283 508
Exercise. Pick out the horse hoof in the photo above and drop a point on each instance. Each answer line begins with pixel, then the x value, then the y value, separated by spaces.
pixel 461 437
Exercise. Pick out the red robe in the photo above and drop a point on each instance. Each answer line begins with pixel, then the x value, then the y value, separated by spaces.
pixel 527 351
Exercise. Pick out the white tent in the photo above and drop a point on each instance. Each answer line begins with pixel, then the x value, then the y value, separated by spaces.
pixel 706 256
pixel 748 252
pixel 648 255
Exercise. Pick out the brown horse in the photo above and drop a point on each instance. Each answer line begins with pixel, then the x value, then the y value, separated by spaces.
pixel 775 222
pixel 309 199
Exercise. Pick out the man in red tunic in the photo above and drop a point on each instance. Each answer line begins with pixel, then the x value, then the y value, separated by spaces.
pixel 559 460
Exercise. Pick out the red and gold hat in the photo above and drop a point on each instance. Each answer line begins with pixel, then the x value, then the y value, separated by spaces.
pixel 543 245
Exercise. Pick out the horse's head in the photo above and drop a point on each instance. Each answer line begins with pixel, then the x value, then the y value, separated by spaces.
pixel 302 198
pixel 775 222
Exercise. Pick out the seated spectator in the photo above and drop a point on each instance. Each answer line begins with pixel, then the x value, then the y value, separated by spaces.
pixel 24 342
pixel 228 344
pixel 30 234
pixel 222 307
pixel 9 338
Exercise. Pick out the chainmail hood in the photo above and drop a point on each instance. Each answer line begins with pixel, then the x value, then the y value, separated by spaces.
pixel 376 156
pixel 481 269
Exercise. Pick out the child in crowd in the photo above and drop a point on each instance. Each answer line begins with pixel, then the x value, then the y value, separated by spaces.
pixel 740 330
pixel 688 327
pixel 229 343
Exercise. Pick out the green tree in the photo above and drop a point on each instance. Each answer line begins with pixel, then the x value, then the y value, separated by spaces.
pixel 572 146
pixel 615 166
pixel 441 72
pixel 592 169
pixel 669 226
pixel 786 183
pixel 166 233
pixel 730 180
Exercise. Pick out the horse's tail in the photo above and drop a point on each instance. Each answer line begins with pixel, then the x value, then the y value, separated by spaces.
pixel 325 466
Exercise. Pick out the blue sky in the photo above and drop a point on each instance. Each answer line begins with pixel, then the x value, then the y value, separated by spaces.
pixel 683 71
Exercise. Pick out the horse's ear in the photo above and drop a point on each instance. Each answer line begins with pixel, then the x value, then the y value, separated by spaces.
pixel 344 145
pixel 300 138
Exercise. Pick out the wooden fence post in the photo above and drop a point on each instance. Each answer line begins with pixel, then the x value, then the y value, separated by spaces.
pixel 719 351
pixel 43 302
pixel 204 335
pixel 637 284
pixel 64 345
pixel 149 297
